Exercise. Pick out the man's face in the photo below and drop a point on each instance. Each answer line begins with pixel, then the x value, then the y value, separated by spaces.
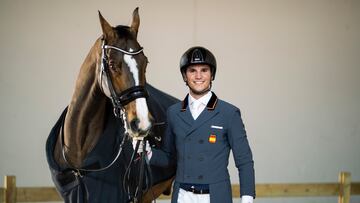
pixel 198 78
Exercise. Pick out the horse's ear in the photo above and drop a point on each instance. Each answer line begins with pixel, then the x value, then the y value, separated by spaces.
pixel 135 21
pixel 108 31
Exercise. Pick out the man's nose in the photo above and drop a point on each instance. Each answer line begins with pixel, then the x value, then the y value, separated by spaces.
pixel 198 74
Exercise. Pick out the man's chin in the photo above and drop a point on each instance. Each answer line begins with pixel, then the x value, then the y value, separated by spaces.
pixel 200 92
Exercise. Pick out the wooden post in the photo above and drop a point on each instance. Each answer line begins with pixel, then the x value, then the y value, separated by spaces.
pixel 345 187
pixel 10 189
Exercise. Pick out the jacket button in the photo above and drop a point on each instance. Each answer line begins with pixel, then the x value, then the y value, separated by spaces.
pixel 200 177
pixel 201 158
pixel 201 141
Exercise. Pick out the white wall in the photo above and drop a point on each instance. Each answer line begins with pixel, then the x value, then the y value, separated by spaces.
pixel 293 68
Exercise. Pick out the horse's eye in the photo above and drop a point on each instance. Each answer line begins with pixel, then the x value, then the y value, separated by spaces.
pixel 111 63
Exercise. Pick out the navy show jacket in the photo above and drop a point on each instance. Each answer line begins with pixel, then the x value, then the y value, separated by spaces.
pixel 200 148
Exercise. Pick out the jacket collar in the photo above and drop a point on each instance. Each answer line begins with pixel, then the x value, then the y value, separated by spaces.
pixel 210 105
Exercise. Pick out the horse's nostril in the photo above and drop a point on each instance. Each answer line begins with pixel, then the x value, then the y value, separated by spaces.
pixel 134 124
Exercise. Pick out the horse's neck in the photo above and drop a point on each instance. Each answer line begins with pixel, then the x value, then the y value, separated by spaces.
pixel 85 117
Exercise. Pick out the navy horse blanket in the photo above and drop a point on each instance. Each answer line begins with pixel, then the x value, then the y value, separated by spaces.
pixel 107 185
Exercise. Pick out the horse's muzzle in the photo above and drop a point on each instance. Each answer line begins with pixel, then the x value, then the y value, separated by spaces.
pixel 137 130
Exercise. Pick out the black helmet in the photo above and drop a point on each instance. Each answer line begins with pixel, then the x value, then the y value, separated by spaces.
pixel 198 55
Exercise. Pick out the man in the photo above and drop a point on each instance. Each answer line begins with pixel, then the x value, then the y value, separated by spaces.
pixel 200 133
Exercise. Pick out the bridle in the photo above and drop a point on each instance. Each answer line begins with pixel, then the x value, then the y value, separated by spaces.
pixel 126 96
pixel 119 101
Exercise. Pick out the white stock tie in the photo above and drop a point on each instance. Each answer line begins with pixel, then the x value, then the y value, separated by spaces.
pixel 196 109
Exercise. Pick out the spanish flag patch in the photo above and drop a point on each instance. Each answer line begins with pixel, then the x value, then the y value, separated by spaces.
pixel 212 138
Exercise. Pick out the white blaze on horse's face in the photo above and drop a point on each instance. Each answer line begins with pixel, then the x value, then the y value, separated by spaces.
pixel 142 110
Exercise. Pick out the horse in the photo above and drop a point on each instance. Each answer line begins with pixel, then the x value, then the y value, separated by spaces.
pixel 89 150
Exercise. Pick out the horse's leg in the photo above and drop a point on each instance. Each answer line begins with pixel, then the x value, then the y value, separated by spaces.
pixel 167 190
pixel 158 189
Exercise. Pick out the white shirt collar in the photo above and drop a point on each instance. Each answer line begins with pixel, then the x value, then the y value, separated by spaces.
pixel 203 100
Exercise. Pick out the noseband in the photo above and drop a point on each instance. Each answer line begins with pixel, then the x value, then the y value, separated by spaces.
pixel 126 96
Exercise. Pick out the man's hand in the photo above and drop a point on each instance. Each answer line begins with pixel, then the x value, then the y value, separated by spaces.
pixel 247 199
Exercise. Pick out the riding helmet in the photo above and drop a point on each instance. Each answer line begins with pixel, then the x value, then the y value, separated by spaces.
pixel 198 55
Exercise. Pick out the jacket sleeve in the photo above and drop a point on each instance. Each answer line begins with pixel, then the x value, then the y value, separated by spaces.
pixel 166 155
pixel 242 154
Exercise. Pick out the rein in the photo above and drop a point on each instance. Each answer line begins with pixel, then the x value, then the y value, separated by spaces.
pixel 119 101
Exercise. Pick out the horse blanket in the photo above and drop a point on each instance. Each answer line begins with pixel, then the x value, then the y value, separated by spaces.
pixel 107 185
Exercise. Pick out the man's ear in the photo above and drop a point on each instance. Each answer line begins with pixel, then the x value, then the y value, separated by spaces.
pixel 184 77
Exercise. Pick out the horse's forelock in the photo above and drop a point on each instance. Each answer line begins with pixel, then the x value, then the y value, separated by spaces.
pixel 124 31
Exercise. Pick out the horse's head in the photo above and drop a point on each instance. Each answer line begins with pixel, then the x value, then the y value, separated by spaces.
pixel 122 74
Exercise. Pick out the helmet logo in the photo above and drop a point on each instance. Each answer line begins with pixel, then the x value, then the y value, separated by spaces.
pixel 197 56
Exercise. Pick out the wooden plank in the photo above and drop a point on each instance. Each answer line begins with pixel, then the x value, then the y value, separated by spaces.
pixel 41 194
pixel 163 197
pixel 10 189
pixel 2 194
pixel 37 194
pixel 289 190
pixel 355 188
pixel 293 190
pixel 345 187
pixel 45 194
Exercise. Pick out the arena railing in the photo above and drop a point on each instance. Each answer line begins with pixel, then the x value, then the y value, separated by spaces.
pixel 344 189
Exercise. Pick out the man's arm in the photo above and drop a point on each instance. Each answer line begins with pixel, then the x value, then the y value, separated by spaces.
pixel 167 154
pixel 242 155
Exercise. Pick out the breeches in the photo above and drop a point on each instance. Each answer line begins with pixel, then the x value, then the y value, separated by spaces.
pixel 189 197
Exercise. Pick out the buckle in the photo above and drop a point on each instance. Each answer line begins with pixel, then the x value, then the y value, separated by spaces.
pixel 201 191
pixel 194 189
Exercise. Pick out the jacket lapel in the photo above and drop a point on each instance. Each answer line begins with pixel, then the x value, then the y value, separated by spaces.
pixel 209 112
pixel 185 113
